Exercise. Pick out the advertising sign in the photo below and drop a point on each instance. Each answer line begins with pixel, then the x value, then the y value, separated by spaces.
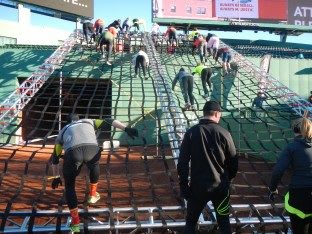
pixel 237 9
pixel 266 11
pixel 300 12
pixel 78 7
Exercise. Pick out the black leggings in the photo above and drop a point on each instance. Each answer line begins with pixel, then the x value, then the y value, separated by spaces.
pixel 301 199
pixel 140 61
pixel 73 161
pixel 109 47
pixel 300 226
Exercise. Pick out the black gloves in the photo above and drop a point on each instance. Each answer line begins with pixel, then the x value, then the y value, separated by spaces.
pixel 185 191
pixel 56 182
pixel 272 194
pixel 132 132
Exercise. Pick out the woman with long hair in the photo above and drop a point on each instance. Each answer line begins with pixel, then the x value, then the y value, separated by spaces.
pixel 298 155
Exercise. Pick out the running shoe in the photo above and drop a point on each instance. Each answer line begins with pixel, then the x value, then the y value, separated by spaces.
pixel 94 199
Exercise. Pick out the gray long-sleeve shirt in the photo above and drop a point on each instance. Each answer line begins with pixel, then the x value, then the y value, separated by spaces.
pixel 298 156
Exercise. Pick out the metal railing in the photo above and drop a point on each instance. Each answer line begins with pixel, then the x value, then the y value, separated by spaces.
pixel 17 100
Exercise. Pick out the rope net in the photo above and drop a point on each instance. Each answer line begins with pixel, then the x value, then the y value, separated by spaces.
pixel 138 182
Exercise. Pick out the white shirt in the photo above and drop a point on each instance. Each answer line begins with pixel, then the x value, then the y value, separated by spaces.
pixel 141 52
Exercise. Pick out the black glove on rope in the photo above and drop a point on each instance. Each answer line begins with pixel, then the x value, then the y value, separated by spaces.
pixel 132 132
pixel 56 182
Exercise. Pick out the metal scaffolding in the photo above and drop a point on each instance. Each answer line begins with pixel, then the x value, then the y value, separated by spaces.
pixel 17 100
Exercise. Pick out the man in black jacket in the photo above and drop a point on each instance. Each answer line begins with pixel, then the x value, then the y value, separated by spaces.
pixel 212 153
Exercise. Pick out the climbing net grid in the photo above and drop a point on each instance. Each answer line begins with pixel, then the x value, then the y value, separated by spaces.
pixel 138 182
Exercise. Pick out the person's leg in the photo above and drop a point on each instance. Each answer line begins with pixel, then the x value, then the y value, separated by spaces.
pixel 102 47
pixel 229 58
pixel 201 53
pixel 175 39
pixel 92 156
pixel 91 32
pixel 143 66
pixel 221 203
pixel 195 205
pixel 109 49
pixel 209 74
pixel 203 77
pixel 298 225
pixel 224 62
pixel 190 81
pixel 138 61
pixel 170 39
pixel 184 90
pixel 205 51
pixel 85 33
pixel 71 168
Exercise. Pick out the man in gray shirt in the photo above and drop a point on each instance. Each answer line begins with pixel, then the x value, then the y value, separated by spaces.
pixel 78 138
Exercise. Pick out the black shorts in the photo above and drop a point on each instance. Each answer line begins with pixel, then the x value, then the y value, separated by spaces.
pixel 75 157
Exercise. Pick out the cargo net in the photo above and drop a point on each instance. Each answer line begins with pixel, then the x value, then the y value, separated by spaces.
pixel 138 180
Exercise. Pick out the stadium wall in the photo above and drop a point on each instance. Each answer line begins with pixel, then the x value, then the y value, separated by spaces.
pixel 296 74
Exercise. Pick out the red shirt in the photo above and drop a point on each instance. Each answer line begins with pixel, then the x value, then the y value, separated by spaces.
pixel 98 22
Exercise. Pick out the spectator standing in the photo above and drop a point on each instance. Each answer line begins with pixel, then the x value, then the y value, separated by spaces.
pixel 78 138
pixel 186 81
pixel 211 152
pixel 297 155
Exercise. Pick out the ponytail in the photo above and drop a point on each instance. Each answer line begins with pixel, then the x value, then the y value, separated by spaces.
pixel 306 128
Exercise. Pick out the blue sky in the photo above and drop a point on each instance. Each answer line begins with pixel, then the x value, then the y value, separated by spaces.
pixel 110 10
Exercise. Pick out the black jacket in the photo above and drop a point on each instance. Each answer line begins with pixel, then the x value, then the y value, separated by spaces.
pixel 298 155
pixel 212 153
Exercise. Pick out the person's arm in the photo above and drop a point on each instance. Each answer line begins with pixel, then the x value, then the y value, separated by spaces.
pixel 146 59
pixel 57 153
pixel 280 167
pixel 219 52
pixel 194 71
pixel 134 59
pixel 175 80
pixel 132 132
